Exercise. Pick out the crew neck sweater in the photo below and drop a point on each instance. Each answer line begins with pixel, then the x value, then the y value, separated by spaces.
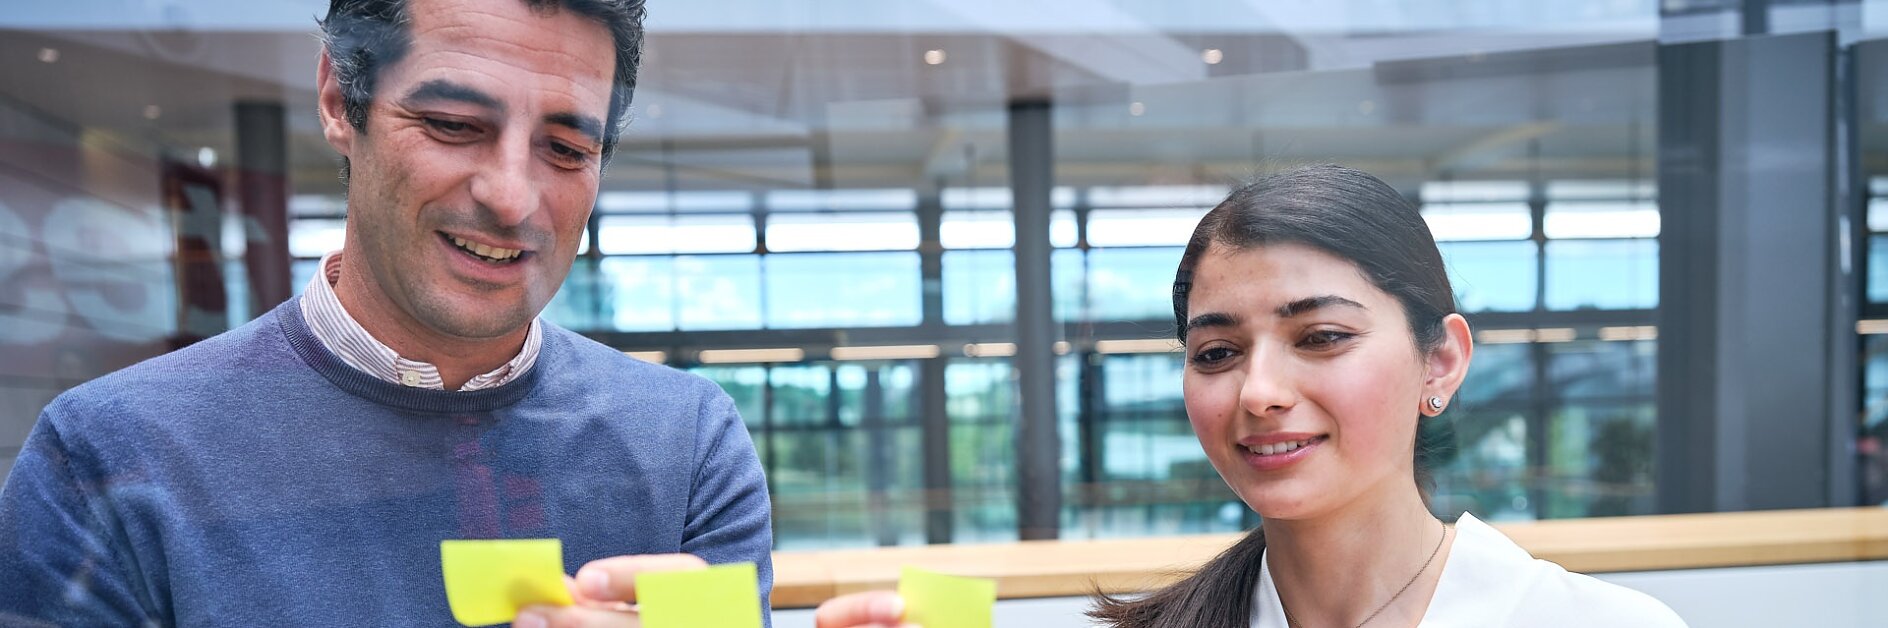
pixel 255 479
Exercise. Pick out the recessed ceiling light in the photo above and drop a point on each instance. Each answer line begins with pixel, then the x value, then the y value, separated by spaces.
pixel 934 56
pixel 1137 108
pixel 151 112
pixel 1212 56
pixel 206 157
pixel 49 55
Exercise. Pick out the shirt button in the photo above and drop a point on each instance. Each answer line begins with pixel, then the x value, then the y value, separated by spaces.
pixel 410 378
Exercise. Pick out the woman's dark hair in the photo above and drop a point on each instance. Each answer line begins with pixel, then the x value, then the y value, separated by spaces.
pixel 1352 215
pixel 365 37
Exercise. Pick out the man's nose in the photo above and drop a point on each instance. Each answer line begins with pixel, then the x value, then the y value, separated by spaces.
pixel 503 184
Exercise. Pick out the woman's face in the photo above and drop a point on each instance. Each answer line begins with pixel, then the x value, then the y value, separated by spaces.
pixel 1303 381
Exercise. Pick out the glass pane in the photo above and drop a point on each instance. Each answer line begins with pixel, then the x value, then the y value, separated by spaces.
pixel 842 232
pixel 1597 369
pixel 574 307
pixel 1599 460
pixel 1872 441
pixel 1490 474
pixel 1200 196
pixel 1602 274
pixel 1068 271
pixel 1499 374
pixel 717 292
pixel 1472 191
pixel 301 272
pixel 802 395
pixel 747 385
pixel 980 287
pixel 977 230
pixel 890 404
pixel 979 399
pixel 1878 269
pixel 1142 227
pixel 638 293
pixel 1602 219
pixel 1449 222
pixel 1492 276
pixel 309 237
pixel 1131 284
pixel 844 289
pixel 714 233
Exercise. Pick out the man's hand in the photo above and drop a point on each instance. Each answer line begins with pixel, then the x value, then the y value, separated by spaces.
pixel 871 609
pixel 603 591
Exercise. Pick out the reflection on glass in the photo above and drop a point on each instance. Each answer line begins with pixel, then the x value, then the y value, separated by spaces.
pixel 717 292
pixel 1131 284
pixel 1142 227
pixel 713 233
pixel 980 286
pixel 980 398
pixel 1602 274
pixel 1599 460
pixel 1490 473
pixel 843 290
pixel 637 293
pixel 1878 269
pixel 1492 276
pixel 1500 373
pixel 1590 369
pixel 842 232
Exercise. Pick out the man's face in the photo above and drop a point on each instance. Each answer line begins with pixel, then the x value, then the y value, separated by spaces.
pixel 471 185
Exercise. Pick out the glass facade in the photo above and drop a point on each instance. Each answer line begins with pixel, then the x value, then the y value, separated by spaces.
pixel 802 175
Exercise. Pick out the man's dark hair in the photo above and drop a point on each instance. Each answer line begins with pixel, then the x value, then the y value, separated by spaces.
pixel 365 37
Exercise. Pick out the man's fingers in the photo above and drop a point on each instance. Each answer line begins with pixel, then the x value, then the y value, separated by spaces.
pixel 614 579
pixel 573 617
pixel 860 609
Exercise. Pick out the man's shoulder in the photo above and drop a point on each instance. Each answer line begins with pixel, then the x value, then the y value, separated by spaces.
pixel 218 363
pixel 611 370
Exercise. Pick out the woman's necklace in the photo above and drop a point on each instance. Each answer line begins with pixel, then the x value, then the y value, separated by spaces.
pixel 1293 621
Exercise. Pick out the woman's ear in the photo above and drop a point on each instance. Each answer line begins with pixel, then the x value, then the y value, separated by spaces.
pixel 1447 364
pixel 331 107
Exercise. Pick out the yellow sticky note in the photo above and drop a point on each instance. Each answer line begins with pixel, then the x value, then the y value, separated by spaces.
pixel 722 596
pixel 934 600
pixel 488 581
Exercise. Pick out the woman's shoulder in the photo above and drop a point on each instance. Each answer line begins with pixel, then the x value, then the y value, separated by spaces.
pixel 1541 593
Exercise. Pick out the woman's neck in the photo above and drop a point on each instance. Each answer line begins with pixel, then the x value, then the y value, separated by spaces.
pixel 1338 568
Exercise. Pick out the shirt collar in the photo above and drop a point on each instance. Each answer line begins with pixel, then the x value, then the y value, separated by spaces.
pixel 343 336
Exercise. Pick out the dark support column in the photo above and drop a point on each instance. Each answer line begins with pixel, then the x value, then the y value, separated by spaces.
pixel 1038 452
pixel 262 170
pixel 933 415
pixel 878 469
pixel 1747 297
pixel 937 451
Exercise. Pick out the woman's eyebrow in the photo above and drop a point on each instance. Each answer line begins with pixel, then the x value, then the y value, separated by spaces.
pixel 1309 304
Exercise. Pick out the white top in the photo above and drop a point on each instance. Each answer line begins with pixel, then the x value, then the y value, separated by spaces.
pixel 341 334
pixel 1490 581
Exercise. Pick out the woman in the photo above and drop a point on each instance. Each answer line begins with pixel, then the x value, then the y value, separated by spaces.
pixel 1321 341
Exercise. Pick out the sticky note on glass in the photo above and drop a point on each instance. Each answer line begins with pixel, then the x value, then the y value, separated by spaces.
pixel 488 581
pixel 934 600
pixel 722 596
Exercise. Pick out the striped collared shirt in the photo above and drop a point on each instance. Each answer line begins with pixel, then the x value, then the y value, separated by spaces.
pixel 345 337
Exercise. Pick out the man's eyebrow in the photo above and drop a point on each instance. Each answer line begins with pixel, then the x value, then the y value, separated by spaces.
pixel 1308 304
pixel 441 89
pixel 585 124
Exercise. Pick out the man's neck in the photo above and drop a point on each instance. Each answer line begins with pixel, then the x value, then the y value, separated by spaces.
pixel 458 359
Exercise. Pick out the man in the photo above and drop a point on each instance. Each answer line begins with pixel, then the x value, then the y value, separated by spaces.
pixel 302 469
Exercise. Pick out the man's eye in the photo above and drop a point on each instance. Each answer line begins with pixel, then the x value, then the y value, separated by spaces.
pixel 448 126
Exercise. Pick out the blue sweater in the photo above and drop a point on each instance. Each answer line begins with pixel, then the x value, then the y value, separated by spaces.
pixel 254 479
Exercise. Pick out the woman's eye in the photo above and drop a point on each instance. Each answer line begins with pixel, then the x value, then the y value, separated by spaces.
pixel 1324 339
pixel 1211 356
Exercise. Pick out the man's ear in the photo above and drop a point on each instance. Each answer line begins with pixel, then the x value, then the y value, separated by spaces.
pixel 1447 365
pixel 332 108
